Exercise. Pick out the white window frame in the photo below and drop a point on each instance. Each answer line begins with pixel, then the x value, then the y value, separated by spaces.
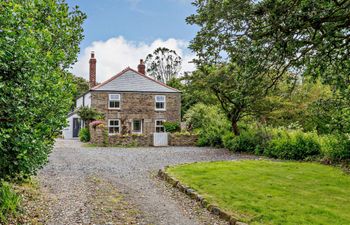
pixel 109 101
pixel 132 126
pixel 155 125
pixel 155 102
pixel 109 125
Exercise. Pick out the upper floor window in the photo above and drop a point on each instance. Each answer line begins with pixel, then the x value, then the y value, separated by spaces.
pixel 114 101
pixel 113 126
pixel 160 102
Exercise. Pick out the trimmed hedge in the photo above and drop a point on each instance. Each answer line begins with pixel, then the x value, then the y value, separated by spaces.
pixel 295 145
pixel 289 144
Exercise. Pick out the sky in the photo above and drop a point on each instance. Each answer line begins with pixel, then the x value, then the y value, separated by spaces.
pixel 121 32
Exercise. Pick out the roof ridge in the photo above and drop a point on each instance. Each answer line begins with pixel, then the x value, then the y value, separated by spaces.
pixel 135 71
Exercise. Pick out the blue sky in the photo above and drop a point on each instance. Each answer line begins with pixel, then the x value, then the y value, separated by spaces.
pixel 128 26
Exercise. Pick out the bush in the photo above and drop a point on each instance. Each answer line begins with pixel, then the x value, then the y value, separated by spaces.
pixel 172 126
pixel 84 134
pixel 209 123
pixel 9 201
pixel 251 139
pixel 294 145
pixel 335 148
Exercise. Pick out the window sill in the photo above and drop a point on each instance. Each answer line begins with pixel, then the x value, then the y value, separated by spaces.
pixel 161 110
pixel 114 108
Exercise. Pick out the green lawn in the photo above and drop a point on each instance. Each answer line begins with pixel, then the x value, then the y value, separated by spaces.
pixel 266 192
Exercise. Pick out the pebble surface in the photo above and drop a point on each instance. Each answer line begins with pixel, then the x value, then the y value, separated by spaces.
pixel 133 172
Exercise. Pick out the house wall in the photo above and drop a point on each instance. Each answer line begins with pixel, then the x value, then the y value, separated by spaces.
pixel 84 100
pixel 138 106
pixel 67 132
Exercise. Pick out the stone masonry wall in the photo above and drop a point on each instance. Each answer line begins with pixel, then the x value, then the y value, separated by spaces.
pixel 138 106
pixel 99 136
pixel 183 139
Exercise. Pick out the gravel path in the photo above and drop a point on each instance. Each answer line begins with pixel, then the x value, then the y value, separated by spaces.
pixel 65 180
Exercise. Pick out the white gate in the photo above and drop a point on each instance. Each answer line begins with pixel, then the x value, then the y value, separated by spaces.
pixel 160 139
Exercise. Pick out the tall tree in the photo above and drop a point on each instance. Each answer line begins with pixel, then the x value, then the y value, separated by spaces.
pixel 39 40
pixel 308 37
pixel 238 92
pixel 164 64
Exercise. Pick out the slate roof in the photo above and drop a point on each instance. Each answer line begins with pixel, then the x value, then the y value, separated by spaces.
pixel 133 81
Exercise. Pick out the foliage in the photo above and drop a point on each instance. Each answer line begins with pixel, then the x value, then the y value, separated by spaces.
pixel 96 123
pixel 271 192
pixel 164 64
pixel 307 37
pixel 171 126
pixel 88 114
pixel 209 122
pixel 295 145
pixel 240 95
pixel 84 134
pixel 9 201
pixel 39 40
pixel 81 86
pixel 335 148
pixel 192 91
pixel 251 139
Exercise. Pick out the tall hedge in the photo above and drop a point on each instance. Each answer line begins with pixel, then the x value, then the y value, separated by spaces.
pixel 39 40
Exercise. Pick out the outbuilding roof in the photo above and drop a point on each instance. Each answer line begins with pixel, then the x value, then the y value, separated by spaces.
pixel 133 81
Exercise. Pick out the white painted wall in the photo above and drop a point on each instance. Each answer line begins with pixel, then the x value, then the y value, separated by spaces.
pixel 87 99
pixel 68 131
pixel 79 102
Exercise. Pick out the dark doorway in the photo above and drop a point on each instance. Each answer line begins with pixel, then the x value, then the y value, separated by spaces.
pixel 76 127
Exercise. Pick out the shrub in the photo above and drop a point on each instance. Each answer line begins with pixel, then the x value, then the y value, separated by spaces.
pixel 209 123
pixel 295 145
pixel 172 126
pixel 84 134
pixel 335 148
pixel 251 139
pixel 96 123
pixel 9 201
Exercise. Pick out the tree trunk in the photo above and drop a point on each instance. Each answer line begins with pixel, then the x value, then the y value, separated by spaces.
pixel 235 128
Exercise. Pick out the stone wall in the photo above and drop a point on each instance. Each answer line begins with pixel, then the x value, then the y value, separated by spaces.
pixel 140 106
pixel 100 136
pixel 183 139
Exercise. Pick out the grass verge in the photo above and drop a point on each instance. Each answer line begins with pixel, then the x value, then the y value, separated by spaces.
pixel 266 192
pixel 9 202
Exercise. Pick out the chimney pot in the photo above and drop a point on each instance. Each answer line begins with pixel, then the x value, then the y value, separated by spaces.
pixel 92 70
pixel 141 67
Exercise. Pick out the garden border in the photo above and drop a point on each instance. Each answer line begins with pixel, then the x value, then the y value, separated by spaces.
pixel 195 196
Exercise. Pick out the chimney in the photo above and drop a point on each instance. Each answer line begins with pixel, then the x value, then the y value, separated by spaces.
pixel 141 67
pixel 92 71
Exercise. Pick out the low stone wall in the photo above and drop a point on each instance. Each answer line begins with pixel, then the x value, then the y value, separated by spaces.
pixel 182 139
pixel 231 219
pixel 131 140
pixel 99 136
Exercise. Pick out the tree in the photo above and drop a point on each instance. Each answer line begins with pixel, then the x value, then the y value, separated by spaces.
pixel 88 114
pixel 238 92
pixel 81 86
pixel 39 40
pixel 193 91
pixel 307 37
pixel 164 64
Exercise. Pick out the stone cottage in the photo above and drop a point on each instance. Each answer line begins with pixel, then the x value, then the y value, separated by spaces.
pixel 131 102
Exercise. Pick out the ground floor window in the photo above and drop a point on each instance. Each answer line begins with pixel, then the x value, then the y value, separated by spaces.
pixel 159 126
pixel 137 126
pixel 114 126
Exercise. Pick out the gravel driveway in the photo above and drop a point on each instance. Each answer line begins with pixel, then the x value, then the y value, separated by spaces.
pixel 132 171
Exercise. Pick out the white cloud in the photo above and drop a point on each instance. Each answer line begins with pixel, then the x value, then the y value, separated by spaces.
pixel 116 54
